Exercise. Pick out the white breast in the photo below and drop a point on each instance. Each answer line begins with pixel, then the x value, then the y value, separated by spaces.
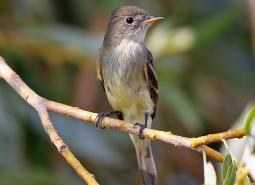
pixel 133 98
pixel 128 49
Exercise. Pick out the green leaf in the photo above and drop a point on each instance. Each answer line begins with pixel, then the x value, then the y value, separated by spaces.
pixel 229 173
pixel 226 164
pixel 230 176
pixel 249 119
pixel 246 180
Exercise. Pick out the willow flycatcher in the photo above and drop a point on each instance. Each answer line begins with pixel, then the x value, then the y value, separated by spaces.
pixel 125 69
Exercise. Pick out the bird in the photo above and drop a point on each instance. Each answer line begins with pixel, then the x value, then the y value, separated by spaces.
pixel 125 69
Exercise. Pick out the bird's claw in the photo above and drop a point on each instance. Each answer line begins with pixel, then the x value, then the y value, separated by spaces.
pixel 102 115
pixel 142 127
pixel 100 118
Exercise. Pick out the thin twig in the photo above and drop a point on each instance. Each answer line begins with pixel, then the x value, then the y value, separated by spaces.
pixel 211 138
pixel 43 106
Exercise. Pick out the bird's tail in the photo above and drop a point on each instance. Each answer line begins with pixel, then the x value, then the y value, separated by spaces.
pixel 145 160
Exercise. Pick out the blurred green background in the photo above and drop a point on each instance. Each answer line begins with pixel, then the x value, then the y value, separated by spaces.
pixel 205 64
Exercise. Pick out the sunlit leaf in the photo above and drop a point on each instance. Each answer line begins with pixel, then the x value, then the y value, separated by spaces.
pixel 246 180
pixel 209 174
pixel 250 118
pixel 226 164
pixel 229 173
pixel 230 176
pixel 249 164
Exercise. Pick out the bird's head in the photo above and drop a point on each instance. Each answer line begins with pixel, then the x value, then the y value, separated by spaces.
pixel 129 22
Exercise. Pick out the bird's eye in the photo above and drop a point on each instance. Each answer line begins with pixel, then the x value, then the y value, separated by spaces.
pixel 129 20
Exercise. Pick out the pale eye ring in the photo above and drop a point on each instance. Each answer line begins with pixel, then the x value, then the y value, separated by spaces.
pixel 129 20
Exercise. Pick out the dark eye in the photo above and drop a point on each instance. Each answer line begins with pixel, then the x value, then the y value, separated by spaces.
pixel 129 20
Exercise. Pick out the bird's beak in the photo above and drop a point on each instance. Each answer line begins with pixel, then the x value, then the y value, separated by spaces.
pixel 151 20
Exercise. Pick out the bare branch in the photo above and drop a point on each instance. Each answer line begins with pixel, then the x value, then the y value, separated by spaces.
pixel 40 105
pixel 168 137
pixel 43 106
pixel 212 138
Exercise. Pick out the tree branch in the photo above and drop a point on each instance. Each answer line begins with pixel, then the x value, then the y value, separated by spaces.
pixel 40 104
pixel 43 106
pixel 212 138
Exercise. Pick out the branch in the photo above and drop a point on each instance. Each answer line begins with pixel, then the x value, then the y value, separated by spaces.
pixel 193 143
pixel 212 138
pixel 43 106
pixel 40 104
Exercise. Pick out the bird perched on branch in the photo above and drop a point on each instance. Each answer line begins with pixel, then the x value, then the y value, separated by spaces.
pixel 125 69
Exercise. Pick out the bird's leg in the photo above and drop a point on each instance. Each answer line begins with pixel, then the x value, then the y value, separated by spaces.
pixel 142 126
pixel 102 115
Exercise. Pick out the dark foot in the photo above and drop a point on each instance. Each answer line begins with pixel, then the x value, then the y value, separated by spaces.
pixel 142 127
pixel 118 114
pixel 100 118
pixel 102 115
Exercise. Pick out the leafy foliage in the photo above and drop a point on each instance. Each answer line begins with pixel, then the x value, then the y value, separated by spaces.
pixel 250 119
pixel 246 180
pixel 209 173
pixel 229 172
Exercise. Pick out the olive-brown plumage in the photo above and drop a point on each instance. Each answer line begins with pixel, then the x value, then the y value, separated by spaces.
pixel 125 69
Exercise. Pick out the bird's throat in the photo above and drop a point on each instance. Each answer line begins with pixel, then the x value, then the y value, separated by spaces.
pixel 129 49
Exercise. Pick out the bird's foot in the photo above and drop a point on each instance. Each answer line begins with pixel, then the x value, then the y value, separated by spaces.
pixel 102 115
pixel 142 127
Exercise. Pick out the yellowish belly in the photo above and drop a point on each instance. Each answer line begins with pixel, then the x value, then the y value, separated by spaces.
pixel 132 103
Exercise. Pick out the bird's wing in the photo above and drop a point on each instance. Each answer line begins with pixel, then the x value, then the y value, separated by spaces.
pixel 151 78
pixel 99 71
